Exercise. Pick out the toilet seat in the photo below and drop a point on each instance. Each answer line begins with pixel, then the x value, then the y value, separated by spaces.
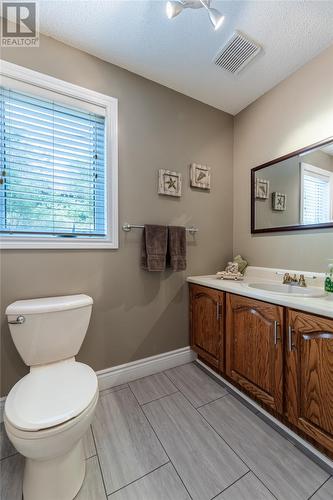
pixel 51 395
pixel 60 430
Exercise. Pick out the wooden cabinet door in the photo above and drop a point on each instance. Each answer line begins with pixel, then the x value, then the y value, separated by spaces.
pixel 254 348
pixel 206 325
pixel 309 375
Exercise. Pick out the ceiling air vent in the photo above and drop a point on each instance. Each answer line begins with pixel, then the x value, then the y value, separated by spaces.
pixel 237 53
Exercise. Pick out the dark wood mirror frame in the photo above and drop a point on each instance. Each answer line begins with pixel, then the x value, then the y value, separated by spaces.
pixel 298 227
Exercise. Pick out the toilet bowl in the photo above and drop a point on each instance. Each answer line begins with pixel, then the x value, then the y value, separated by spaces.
pixel 48 411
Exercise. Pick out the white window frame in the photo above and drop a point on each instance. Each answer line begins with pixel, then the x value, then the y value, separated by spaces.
pixel 110 105
pixel 307 167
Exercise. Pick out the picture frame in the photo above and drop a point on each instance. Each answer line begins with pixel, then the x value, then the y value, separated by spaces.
pixel 279 202
pixel 200 176
pixel 262 189
pixel 169 183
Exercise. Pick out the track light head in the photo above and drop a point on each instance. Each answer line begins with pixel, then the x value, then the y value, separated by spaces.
pixel 215 18
pixel 173 8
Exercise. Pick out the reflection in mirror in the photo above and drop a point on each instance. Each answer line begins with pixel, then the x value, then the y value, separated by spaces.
pixel 294 193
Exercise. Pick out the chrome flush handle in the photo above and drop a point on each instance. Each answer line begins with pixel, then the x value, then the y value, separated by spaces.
pixel 18 321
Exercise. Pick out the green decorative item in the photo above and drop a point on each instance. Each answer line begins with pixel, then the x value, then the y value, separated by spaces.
pixel 242 263
pixel 329 278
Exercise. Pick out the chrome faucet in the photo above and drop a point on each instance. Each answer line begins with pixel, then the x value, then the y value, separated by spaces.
pixel 294 281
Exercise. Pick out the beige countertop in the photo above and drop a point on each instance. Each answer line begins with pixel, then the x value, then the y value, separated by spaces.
pixel 321 305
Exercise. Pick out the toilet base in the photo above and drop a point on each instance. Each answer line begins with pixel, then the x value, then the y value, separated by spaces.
pixel 58 479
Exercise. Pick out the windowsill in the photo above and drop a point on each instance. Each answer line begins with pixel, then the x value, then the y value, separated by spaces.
pixel 55 244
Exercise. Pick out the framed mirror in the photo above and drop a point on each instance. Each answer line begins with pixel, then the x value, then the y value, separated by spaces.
pixel 294 192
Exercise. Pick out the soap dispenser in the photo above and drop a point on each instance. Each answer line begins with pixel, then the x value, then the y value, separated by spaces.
pixel 329 279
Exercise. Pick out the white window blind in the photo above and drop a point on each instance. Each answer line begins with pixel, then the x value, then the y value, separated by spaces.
pixel 52 168
pixel 316 195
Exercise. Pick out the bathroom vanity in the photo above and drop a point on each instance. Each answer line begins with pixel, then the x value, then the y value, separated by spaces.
pixel 277 347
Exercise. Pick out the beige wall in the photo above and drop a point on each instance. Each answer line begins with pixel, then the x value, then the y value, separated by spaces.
pixel 296 113
pixel 136 314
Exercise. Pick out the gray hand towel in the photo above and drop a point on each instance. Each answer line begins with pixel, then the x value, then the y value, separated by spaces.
pixel 177 248
pixel 154 247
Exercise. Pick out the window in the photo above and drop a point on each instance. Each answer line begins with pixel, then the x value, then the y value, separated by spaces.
pixel 58 183
pixel 316 194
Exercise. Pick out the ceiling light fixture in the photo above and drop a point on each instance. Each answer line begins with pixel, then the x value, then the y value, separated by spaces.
pixel 215 17
pixel 175 7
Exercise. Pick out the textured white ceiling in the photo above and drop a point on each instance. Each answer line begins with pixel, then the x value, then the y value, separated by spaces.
pixel 178 53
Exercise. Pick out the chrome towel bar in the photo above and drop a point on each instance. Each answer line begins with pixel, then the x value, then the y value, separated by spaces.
pixel 127 227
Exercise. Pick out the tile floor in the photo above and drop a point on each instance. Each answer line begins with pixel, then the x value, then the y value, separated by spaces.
pixel 179 435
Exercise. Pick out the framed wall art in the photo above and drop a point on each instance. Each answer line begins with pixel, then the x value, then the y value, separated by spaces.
pixel 279 202
pixel 169 183
pixel 262 189
pixel 200 176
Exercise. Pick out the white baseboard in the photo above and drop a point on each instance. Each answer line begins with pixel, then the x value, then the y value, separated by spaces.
pixel 122 374
pixel 307 447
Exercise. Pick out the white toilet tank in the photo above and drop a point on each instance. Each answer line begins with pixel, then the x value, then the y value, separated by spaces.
pixel 49 329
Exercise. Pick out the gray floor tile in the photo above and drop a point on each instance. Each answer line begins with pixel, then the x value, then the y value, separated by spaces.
pixel 211 374
pixel 325 492
pixel 322 463
pixel 162 484
pixel 245 403
pixel 286 472
pixel 247 488
pixel 126 444
pixel 325 466
pixel 92 488
pixel 153 387
pixel 204 462
pixel 11 476
pixel 196 386
pixel 89 445
pixel 273 424
pixel 230 390
pixel 6 447
pixel 113 389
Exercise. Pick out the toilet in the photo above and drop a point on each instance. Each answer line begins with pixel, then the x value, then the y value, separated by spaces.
pixel 48 411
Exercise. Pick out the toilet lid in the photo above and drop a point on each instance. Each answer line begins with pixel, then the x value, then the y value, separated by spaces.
pixel 50 395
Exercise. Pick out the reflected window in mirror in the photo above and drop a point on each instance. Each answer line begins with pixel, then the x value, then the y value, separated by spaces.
pixel 316 194
pixel 298 190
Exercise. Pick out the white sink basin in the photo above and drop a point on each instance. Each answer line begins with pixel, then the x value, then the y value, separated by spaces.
pixel 293 290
